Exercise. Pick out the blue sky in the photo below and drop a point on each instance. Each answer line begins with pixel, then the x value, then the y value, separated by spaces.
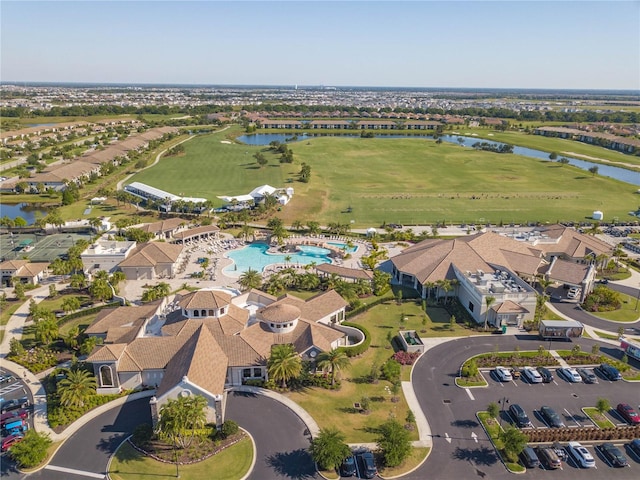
pixel 500 44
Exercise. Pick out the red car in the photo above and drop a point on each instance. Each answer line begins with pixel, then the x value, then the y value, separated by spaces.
pixel 13 416
pixel 9 441
pixel 628 413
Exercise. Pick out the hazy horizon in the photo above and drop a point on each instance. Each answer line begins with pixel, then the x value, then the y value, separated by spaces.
pixel 516 45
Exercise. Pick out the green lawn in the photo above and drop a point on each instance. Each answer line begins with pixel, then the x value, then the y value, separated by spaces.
pixel 230 464
pixel 8 310
pixel 335 408
pixel 409 181
pixel 54 304
pixel 600 420
pixel 81 322
pixel 628 312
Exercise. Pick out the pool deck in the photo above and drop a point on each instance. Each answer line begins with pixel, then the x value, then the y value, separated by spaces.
pixel 218 258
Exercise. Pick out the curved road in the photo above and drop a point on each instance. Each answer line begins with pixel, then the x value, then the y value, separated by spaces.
pixel 280 436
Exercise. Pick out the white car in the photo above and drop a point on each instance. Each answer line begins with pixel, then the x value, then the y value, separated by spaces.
pixel 532 375
pixel 571 374
pixel 573 292
pixel 503 374
pixel 581 455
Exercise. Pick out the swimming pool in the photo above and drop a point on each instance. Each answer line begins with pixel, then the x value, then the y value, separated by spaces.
pixel 343 246
pixel 255 256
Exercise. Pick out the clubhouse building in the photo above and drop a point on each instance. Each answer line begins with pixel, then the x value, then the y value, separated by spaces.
pixel 208 341
pixel 503 268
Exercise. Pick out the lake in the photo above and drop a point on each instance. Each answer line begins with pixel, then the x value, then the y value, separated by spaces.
pixel 622 174
pixel 23 210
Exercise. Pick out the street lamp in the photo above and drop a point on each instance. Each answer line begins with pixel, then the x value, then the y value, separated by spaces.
pixel 502 403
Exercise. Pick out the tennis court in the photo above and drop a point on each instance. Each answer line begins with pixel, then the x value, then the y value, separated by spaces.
pixel 38 247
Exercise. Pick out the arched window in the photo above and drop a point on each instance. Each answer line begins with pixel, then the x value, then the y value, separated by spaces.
pixel 106 376
pixel 211 313
pixel 203 313
pixel 196 313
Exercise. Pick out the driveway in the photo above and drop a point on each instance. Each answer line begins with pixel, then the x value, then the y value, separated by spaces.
pixel 280 437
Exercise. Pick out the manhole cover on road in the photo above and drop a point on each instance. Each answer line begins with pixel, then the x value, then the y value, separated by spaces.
pixel 446 400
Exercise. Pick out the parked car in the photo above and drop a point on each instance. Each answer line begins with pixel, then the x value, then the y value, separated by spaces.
pixel 14 428
pixel 581 455
pixel 545 373
pixel 609 372
pixel 570 374
pixel 587 375
pixel 348 467
pixel 14 404
pixel 613 455
pixel 9 441
pixel 532 375
pixel 515 373
pixel 634 446
pixel 551 417
pixel 7 379
pixel 627 412
pixel 560 451
pixel 13 415
pixel 529 457
pixel 549 458
pixel 519 416
pixel 503 374
pixel 367 464
pixel 573 293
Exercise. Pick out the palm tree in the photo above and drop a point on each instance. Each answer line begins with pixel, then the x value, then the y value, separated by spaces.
pixel 334 360
pixel 180 419
pixel 250 279
pixel 488 301
pixel 284 364
pixel 76 387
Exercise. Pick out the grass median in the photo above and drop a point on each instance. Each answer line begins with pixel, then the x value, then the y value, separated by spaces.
pixel 230 464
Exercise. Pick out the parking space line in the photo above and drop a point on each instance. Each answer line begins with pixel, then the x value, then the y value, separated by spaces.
pixel 469 393
pixel 74 471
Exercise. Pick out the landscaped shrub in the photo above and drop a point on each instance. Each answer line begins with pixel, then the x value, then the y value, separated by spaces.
pixel 602 299
pixel 36 359
pixel 361 348
pixel 405 358
pixel 229 427
pixel 391 370
pixel 86 311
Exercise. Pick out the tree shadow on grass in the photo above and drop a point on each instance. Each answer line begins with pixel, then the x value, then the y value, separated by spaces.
pixel 479 456
pixel 296 464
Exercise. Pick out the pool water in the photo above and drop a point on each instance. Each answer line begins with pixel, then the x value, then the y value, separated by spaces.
pixel 343 246
pixel 255 256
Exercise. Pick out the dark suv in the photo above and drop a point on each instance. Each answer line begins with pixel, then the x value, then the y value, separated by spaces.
pixel 348 467
pixel 551 417
pixel 367 464
pixel 14 404
pixel 545 373
pixel 609 372
pixel 519 415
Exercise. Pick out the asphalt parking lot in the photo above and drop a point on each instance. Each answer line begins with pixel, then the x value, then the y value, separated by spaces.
pixel 567 399
pixel 14 388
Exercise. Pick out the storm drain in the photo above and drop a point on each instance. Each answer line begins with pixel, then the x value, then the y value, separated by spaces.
pixel 575 395
pixel 446 400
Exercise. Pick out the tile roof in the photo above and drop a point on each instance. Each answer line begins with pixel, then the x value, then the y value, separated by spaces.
pixel 201 360
pixel 345 272
pixel 318 306
pixel 509 307
pixel 130 318
pixel 279 313
pixel 205 299
pixel 24 268
pixel 195 231
pixel 163 225
pixel 568 272
pixel 107 353
pixel 151 254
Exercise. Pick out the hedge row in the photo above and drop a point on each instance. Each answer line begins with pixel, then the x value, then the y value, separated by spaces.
pixel 86 311
pixel 361 348
pixel 581 434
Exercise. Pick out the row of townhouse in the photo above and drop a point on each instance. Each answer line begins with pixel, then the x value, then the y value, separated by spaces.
pixel 349 125
pixel 81 169
pixel 614 142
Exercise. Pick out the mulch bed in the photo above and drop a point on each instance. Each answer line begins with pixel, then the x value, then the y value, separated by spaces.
pixel 199 450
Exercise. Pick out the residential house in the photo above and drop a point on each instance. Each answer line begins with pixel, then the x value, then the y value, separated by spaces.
pixel 23 270
pixel 151 261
